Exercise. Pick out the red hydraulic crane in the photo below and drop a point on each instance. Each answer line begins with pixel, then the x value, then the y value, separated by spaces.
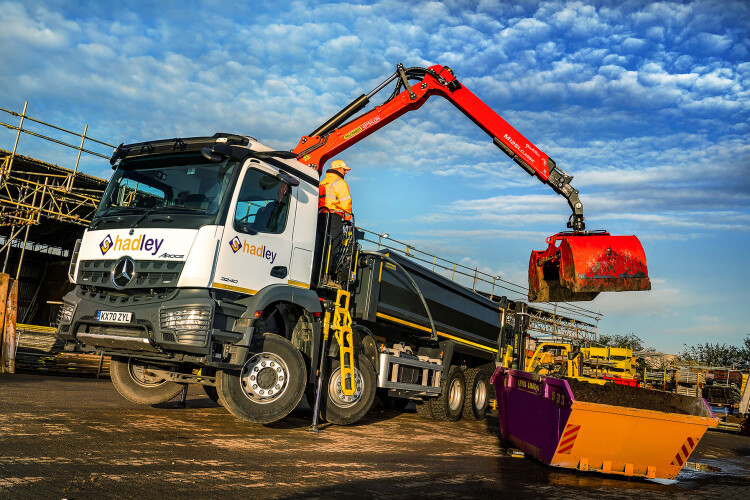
pixel 576 265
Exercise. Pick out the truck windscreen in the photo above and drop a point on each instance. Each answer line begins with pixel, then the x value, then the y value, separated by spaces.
pixel 172 183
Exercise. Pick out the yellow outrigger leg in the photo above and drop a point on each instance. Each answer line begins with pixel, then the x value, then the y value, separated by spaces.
pixel 342 330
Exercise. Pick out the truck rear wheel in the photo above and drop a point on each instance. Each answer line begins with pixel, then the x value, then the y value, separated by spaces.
pixel 477 394
pixel 341 409
pixel 269 385
pixel 450 403
pixel 424 409
pixel 135 383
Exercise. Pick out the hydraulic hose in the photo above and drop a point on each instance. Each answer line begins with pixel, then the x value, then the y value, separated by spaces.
pixel 411 280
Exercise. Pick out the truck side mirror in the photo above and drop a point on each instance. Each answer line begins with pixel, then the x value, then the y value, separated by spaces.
pixel 288 179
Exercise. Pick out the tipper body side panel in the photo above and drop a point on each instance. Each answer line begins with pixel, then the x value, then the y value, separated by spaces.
pixel 385 299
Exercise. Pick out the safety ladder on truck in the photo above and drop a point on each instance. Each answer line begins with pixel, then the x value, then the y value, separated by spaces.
pixel 342 331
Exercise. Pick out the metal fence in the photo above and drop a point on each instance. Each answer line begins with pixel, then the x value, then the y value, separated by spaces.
pixel 561 321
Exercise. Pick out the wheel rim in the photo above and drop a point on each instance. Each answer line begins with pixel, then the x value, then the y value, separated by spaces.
pixel 480 395
pixel 454 395
pixel 264 378
pixel 141 376
pixel 336 392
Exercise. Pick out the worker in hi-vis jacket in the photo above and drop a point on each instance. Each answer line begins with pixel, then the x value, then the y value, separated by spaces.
pixel 335 201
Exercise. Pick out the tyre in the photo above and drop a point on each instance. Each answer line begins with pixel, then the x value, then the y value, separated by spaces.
pixel 340 409
pixel 212 392
pixel 424 409
pixel 450 403
pixel 135 383
pixel 269 385
pixel 477 394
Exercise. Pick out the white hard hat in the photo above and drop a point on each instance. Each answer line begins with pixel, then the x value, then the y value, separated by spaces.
pixel 339 164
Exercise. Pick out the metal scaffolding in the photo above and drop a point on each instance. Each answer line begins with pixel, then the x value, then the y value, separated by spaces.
pixel 32 190
pixel 553 327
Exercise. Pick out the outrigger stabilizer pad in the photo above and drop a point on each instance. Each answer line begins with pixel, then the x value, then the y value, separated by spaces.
pixel 577 266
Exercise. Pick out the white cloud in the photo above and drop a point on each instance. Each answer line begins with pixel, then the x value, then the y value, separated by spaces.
pixel 35 29
pixel 647 106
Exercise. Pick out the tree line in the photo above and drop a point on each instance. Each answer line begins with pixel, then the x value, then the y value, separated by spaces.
pixel 705 354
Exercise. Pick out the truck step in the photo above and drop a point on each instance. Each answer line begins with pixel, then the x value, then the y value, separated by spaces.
pixel 399 369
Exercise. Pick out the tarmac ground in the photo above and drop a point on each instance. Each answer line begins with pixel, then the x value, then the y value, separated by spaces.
pixel 76 438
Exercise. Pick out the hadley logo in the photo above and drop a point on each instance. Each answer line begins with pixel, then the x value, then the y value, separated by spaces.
pixel 261 251
pixel 140 243
pixel 236 244
pixel 106 244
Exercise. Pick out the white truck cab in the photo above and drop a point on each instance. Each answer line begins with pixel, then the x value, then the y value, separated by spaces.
pixel 185 247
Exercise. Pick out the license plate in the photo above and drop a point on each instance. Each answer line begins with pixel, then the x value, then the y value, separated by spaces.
pixel 114 316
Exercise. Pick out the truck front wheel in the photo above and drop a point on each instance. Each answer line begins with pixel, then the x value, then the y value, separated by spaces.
pixel 270 384
pixel 341 409
pixel 212 393
pixel 135 383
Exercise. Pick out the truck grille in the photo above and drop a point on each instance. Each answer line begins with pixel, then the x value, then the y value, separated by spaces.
pixel 148 273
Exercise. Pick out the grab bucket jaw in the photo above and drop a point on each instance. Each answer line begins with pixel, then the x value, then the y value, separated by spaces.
pixel 578 266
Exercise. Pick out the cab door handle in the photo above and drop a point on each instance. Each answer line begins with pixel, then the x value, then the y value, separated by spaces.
pixel 279 272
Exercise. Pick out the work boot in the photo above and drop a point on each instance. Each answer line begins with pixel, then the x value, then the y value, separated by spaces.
pixel 331 284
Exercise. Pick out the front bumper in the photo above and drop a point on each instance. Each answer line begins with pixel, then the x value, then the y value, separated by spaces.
pixel 180 321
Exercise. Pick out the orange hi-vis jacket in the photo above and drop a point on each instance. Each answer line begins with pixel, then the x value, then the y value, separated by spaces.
pixel 334 195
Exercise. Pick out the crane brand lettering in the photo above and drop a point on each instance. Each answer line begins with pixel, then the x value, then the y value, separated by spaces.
pixel 362 128
pixel 260 251
pixel 526 155
pixel 140 243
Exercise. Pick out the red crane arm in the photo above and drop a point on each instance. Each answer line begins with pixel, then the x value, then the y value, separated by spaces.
pixel 575 266
pixel 335 136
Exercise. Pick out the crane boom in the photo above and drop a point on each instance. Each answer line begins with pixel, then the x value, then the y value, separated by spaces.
pixel 334 136
pixel 576 265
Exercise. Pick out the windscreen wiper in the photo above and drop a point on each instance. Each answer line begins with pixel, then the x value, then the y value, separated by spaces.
pixel 145 214
pixel 106 213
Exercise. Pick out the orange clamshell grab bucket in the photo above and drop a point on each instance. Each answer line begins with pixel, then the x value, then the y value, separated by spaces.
pixel 578 266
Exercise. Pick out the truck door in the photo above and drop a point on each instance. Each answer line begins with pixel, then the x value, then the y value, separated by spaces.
pixel 256 248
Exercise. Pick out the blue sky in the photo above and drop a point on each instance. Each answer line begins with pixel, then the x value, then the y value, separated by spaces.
pixel 647 104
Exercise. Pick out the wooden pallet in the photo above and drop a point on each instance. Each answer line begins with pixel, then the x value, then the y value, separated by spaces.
pixel 39 350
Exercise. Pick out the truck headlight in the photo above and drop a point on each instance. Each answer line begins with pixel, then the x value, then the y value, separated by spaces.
pixel 188 318
pixel 66 313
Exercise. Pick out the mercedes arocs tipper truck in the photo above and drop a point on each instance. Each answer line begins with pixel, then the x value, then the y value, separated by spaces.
pixel 200 266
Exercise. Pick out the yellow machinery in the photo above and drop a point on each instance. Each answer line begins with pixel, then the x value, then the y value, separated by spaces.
pixel 608 362
pixel 590 362
pixel 554 358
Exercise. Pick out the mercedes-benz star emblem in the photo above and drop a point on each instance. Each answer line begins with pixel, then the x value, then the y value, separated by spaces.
pixel 123 272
